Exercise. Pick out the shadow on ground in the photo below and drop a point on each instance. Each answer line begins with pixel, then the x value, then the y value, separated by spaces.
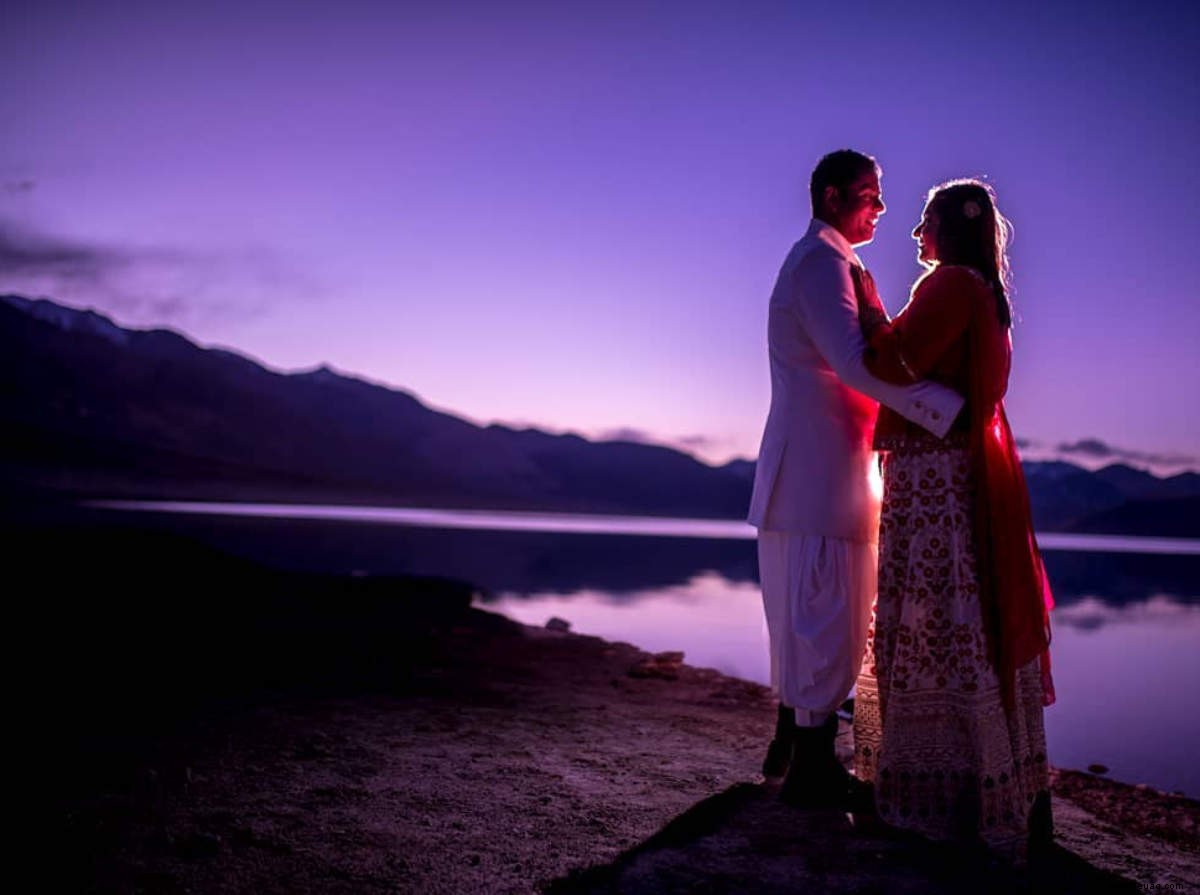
pixel 744 840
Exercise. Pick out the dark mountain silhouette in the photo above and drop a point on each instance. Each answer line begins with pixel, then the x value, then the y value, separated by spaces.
pixel 1166 518
pixel 89 408
pixel 1117 499
pixel 743 469
pixel 1061 494
pixel 1137 484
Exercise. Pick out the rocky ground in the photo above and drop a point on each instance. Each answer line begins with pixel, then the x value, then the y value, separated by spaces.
pixel 348 735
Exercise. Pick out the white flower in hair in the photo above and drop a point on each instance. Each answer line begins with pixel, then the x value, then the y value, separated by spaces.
pixel 971 210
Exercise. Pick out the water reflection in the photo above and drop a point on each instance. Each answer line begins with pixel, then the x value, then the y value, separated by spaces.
pixel 1123 670
pixel 1090 613
pixel 717 623
pixel 1122 578
pixel 1125 675
pixel 1127 625
pixel 627 567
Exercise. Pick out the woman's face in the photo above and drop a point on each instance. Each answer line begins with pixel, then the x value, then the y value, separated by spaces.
pixel 925 233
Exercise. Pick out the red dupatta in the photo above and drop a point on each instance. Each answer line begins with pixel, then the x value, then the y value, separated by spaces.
pixel 1013 589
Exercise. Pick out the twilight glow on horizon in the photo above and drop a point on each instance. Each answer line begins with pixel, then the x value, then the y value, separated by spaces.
pixel 571 215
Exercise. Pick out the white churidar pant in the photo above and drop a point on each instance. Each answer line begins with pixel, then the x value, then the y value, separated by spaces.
pixel 817 596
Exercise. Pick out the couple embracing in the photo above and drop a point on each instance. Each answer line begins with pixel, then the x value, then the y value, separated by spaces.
pixel 924 586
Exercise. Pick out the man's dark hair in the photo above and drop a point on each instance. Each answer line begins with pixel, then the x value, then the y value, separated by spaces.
pixel 839 169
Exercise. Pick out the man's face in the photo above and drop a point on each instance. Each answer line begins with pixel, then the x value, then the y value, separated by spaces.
pixel 856 210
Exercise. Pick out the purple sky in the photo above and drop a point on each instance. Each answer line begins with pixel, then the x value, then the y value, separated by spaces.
pixel 571 215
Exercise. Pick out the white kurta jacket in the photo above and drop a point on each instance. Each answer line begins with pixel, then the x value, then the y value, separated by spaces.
pixel 816 472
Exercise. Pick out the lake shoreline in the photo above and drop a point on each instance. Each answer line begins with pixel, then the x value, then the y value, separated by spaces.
pixel 548 521
pixel 65 499
pixel 308 733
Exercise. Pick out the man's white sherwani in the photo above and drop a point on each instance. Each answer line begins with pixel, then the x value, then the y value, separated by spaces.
pixel 817 489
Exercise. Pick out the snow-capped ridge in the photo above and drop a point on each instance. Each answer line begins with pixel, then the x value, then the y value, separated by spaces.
pixel 69 319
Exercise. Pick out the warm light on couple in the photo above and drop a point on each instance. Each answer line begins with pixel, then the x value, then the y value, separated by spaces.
pixel 931 597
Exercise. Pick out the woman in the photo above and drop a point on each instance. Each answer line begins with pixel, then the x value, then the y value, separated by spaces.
pixel 948 715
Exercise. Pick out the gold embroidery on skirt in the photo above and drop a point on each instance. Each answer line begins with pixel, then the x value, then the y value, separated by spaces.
pixel 930 728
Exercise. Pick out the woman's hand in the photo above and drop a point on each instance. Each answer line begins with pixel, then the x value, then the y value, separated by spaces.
pixel 883 357
pixel 871 313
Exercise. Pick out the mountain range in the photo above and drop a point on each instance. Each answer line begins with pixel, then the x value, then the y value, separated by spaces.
pixel 89 408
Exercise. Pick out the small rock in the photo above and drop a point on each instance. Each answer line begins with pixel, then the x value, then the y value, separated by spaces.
pixel 649 669
pixel 558 624
pixel 661 665
pixel 1097 769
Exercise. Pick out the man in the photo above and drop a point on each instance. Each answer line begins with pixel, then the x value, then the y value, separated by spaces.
pixel 817 489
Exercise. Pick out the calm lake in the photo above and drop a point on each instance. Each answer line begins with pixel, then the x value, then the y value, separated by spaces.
pixel 1126 628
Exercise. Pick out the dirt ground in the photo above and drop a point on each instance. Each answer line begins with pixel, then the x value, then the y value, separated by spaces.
pixel 200 723
pixel 511 759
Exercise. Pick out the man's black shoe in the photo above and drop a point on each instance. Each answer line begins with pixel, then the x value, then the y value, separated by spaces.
pixel 817 780
pixel 779 753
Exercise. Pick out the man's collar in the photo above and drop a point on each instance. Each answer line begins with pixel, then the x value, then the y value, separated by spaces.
pixel 830 235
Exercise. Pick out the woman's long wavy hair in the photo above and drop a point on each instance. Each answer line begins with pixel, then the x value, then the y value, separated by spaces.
pixel 972 231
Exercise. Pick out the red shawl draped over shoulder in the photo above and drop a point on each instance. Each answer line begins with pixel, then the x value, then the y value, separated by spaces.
pixel 949 332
